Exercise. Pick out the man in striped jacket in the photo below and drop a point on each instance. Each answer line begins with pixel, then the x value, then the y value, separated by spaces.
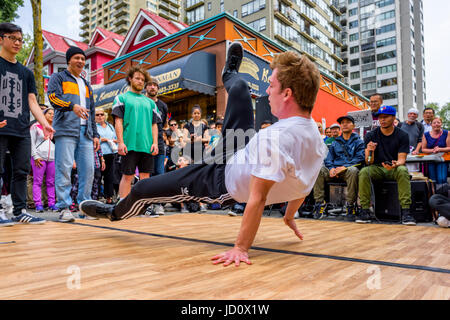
pixel 76 131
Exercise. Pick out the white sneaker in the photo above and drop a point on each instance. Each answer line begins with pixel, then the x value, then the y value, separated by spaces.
pixel 184 210
pixel 203 208
pixel 4 221
pixel 66 216
pixel 443 222
pixel 232 213
pixel 159 209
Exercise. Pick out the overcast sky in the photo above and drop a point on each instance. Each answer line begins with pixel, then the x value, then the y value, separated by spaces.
pixel 63 17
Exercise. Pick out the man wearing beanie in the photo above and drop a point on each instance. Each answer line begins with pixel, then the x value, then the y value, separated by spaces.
pixel 414 129
pixel 76 135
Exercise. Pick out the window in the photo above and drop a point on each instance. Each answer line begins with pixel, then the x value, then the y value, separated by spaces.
pixel 145 33
pixel 386 42
pixel 386 15
pixel 368 73
pixel 354 62
pixel 252 6
pixel 353 24
pixel 258 25
pixel 384 3
pixel 354 37
pixel 387 69
pixel 368 59
pixel 354 49
pixel 354 75
pixel 209 6
pixel 352 12
pixel 386 55
pixel 369 86
pixel 389 95
pixel 387 28
pixel 356 87
pixel 235 13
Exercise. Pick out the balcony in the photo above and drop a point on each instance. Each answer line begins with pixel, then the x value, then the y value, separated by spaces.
pixel 336 42
pixel 336 57
pixel 196 5
pixel 84 10
pixel 122 21
pixel 312 3
pixel 283 40
pixel 335 9
pixel 283 18
pixel 84 2
pixel 121 4
pixel 84 34
pixel 85 25
pixel 287 2
pixel 120 13
pixel 307 36
pixel 368 66
pixel 306 17
pixel 84 19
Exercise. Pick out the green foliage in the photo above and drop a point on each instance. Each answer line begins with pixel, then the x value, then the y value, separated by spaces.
pixel 26 49
pixel 442 112
pixel 8 9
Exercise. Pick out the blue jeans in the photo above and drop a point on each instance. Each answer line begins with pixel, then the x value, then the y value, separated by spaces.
pixel 68 150
pixel 159 164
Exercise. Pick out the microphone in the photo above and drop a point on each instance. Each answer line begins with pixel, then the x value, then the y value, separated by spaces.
pixel 369 158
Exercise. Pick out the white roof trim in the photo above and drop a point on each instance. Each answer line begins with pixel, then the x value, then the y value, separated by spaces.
pixel 132 32
pixel 95 33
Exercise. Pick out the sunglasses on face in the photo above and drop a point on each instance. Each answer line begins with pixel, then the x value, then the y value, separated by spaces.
pixel 173 124
pixel 100 114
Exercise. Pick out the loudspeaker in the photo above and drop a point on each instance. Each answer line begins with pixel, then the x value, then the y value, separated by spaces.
pixel 336 193
pixel 262 112
pixel 387 205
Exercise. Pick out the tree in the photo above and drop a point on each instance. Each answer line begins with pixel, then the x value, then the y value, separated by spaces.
pixel 38 48
pixel 442 112
pixel 8 9
pixel 26 49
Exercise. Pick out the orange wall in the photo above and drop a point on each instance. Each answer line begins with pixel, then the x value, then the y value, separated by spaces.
pixel 330 107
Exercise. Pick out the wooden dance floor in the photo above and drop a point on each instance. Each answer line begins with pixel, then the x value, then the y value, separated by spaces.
pixel 169 258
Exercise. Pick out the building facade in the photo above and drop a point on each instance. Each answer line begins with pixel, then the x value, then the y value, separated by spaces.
pixel 310 27
pixel 118 15
pixel 384 50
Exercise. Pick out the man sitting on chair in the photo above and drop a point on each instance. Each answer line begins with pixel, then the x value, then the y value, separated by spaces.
pixel 345 154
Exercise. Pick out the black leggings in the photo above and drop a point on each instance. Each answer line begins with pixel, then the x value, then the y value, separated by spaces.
pixel 203 182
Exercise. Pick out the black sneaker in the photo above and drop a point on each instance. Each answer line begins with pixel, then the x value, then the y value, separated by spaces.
pixel 350 212
pixel 97 209
pixel 233 61
pixel 363 217
pixel 319 211
pixel 407 218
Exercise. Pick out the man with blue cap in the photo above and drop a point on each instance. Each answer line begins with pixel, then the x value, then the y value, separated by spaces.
pixel 386 149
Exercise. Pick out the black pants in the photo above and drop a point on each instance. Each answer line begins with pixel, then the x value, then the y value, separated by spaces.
pixel 20 150
pixel 203 182
pixel 108 175
pixel 442 204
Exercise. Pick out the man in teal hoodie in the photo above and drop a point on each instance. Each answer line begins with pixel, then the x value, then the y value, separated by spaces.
pixel 345 154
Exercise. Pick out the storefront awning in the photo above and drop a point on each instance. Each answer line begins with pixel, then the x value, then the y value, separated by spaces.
pixel 104 96
pixel 196 72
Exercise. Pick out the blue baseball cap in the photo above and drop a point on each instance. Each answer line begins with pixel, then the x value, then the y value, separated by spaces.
pixel 387 110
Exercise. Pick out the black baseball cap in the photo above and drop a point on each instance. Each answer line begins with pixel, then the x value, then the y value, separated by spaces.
pixel 348 117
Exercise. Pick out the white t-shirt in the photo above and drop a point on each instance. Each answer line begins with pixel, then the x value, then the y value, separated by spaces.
pixel 82 91
pixel 289 152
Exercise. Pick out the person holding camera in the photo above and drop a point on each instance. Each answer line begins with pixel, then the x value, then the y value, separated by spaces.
pixel 385 154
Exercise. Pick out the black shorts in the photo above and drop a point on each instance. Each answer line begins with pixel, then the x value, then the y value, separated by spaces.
pixel 143 161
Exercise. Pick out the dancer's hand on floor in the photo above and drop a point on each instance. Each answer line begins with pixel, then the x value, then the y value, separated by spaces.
pixel 290 222
pixel 235 255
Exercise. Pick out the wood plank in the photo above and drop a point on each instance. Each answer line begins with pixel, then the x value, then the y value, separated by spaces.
pixel 116 264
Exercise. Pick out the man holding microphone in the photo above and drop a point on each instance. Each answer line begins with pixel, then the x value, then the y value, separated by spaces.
pixel 386 149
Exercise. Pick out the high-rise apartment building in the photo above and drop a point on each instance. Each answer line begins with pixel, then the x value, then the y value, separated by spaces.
pixel 384 50
pixel 309 26
pixel 118 15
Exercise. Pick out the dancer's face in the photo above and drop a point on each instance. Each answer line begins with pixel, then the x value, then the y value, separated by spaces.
pixel 276 95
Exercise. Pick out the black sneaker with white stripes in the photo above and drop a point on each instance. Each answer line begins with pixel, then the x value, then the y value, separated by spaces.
pixel 26 218
pixel 97 209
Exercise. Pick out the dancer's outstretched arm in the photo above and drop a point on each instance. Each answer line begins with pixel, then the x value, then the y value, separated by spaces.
pixel 259 188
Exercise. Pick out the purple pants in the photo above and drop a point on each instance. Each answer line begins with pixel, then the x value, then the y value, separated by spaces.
pixel 47 168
